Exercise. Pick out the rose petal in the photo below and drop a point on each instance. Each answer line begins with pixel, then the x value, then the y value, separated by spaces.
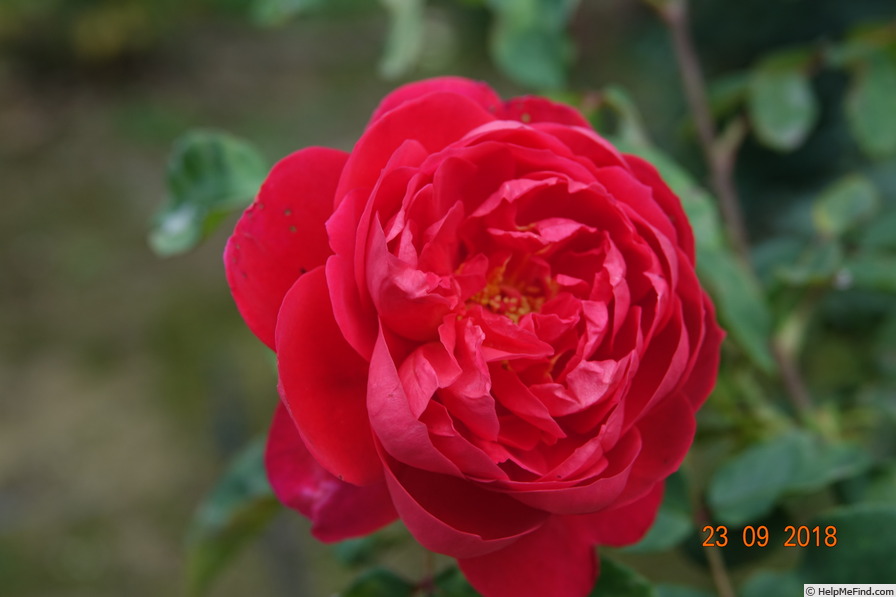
pixel 532 109
pixel 324 383
pixel 477 91
pixel 435 120
pixel 624 525
pixel 281 235
pixel 454 516
pixel 557 560
pixel 337 510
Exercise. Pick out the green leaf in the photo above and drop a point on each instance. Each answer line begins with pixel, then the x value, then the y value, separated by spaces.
pixel 674 522
pixel 869 105
pixel 873 271
pixel 209 175
pixel 843 205
pixel 529 41
pixel 379 582
pixel 748 486
pixel 817 265
pixel 878 234
pixel 667 590
pixel 405 39
pixel 866 542
pixel 882 488
pixel 781 104
pixel 451 583
pixel 236 510
pixel 741 305
pixel 278 12
pixel 772 584
pixel 617 580
pixel 823 463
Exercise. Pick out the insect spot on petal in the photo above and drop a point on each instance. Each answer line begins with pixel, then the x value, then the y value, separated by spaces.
pixel 292 229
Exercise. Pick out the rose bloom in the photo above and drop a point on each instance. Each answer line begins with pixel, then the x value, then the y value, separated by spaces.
pixel 487 323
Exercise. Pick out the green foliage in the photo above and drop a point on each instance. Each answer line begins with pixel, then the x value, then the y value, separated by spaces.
pixel 782 106
pixel 749 485
pixel 618 580
pixel 451 583
pixel 845 204
pixel 405 40
pixel 866 542
pixel 379 582
pixel 210 175
pixel 239 506
pixel 529 41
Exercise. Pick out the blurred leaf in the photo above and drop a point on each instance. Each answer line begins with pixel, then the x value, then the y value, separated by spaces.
pixel 882 488
pixel 379 582
pixel 766 583
pixel 617 580
pixel 726 94
pixel 209 175
pixel 878 234
pixel 363 550
pixel 769 255
pixel 236 510
pixel 277 12
pixel 666 590
pixel 405 40
pixel 782 107
pixel 747 486
pixel 872 272
pixel 866 542
pixel 740 303
pixel 451 583
pixel 869 105
pixel 529 41
pixel 674 522
pixel 815 266
pixel 823 463
pixel 844 204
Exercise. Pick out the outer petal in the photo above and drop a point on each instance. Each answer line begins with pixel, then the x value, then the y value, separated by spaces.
pixel 477 91
pixel 455 516
pixel 324 383
pixel 557 560
pixel 435 120
pixel 624 525
pixel 282 234
pixel 538 109
pixel 338 510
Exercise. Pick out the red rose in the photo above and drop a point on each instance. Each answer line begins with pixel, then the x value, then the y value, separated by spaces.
pixel 488 324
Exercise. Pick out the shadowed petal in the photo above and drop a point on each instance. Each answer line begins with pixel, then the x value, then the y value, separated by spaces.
pixel 338 510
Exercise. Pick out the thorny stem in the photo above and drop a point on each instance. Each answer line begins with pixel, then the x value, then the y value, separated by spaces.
pixel 719 154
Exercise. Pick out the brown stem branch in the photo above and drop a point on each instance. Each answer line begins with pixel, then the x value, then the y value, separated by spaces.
pixel 719 158
pixel 720 154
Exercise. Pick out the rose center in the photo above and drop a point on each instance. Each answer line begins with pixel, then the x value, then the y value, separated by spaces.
pixel 512 295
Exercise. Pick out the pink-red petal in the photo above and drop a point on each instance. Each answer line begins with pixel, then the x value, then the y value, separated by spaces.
pixel 281 235
pixel 477 91
pixel 337 510
pixel 557 560
pixel 323 383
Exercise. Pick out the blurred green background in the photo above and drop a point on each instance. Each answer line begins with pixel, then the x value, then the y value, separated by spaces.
pixel 127 382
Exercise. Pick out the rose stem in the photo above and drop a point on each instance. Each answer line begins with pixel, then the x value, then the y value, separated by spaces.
pixel 717 568
pixel 720 160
